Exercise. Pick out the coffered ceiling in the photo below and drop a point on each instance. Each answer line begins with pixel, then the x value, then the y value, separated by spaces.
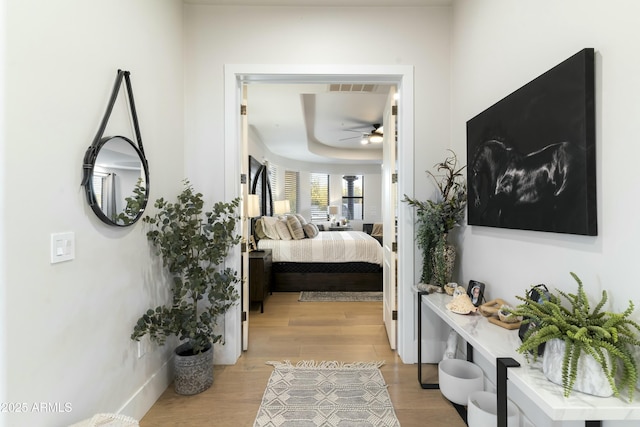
pixel 317 122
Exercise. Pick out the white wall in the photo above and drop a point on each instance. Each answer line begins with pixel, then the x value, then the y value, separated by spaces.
pixel 488 66
pixel 66 326
pixel 500 45
pixel 419 37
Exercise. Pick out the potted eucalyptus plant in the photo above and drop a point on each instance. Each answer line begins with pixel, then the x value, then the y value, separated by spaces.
pixel 435 218
pixel 192 244
pixel 135 205
pixel 582 337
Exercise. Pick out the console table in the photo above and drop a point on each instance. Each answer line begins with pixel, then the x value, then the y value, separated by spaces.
pixel 498 346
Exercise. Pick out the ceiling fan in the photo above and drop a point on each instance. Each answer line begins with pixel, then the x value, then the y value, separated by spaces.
pixel 375 136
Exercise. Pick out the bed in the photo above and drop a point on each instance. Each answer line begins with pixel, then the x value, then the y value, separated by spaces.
pixel 330 261
pixel 312 260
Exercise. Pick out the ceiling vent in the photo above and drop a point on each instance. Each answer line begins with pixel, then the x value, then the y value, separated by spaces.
pixel 352 87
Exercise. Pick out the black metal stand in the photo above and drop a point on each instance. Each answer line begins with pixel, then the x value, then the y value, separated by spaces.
pixel 502 364
pixel 460 409
pixel 426 386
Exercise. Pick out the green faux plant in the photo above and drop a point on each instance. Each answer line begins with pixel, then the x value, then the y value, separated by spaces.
pixel 192 244
pixel 437 217
pixel 584 331
pixel 135 205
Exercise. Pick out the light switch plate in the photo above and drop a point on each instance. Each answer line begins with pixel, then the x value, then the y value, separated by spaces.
pixel 63 247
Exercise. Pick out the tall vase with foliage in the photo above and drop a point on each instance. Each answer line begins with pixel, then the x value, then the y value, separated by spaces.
pixel 435 218
pixel 193 245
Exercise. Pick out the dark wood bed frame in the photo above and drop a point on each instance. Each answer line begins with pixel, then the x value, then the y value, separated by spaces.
pixel 296 277
pixel 352 277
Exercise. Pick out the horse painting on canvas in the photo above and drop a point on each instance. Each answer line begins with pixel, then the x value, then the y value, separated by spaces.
pixel 531 156
pixel 540 190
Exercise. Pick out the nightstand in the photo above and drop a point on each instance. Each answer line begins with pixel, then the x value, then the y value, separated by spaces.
pixel 340 228
pixel 259 276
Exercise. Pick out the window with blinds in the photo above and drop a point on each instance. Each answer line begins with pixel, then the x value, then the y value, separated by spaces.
pixel 353 196
pixel 319 196
pixel 273 175
pixel 291 189
pixel 98 184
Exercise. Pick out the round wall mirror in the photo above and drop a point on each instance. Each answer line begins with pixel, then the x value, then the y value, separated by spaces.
pixel 116 180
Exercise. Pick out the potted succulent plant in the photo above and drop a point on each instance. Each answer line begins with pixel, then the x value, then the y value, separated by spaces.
pixel 437 217
pixel 584 336
pixel 193 245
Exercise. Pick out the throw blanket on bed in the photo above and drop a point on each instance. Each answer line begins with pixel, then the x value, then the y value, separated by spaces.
pixel 329 246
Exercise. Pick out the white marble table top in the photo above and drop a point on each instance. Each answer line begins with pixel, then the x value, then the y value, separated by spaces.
pixel 492 342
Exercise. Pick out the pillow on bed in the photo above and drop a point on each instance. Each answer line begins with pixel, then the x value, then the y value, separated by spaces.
pixel 269 227
pixel 259 230
pixel 311 230
pixel 301 219
pixel 283 229
pixel 295 228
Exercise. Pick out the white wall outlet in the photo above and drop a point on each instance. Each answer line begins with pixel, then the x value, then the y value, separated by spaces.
pixel 144 346
pixel 63 247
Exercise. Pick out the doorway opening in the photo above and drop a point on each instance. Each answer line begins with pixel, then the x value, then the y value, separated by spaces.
pixel 400 76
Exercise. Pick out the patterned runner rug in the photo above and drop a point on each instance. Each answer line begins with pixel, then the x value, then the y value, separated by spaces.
pixel 326 394
pixel 339 296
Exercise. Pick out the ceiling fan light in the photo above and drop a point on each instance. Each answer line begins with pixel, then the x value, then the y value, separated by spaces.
pixel 364 141
pixel 374 138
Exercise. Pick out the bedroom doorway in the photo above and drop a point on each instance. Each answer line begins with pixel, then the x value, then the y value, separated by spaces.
pixel 237 76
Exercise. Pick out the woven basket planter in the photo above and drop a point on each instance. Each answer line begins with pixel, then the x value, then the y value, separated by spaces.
pixel 193 373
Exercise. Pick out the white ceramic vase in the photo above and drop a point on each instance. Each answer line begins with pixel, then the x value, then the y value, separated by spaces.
pixel 482 410
pixel 591 379
pixel 459 378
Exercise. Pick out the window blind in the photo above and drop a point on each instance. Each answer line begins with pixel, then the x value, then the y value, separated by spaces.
pixel 291 189
pixel 319 196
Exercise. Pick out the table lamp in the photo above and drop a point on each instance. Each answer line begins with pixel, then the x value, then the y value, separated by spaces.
pixel 281 207
pixel 253 211
pixel 333 211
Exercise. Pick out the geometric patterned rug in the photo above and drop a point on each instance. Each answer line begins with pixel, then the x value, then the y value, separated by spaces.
pixel 327 394
pixel 340 296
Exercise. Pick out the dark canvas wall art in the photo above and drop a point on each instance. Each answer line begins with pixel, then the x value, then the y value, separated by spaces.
pixel 531 156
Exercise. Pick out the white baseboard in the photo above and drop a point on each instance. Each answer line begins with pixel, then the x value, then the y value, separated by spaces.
pixel 143 399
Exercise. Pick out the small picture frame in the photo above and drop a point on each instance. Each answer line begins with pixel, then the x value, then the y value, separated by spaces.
pixel 475 290
pixel 252 244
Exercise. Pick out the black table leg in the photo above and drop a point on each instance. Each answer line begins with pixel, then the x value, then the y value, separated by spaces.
pixel 502 363
pixel 429 386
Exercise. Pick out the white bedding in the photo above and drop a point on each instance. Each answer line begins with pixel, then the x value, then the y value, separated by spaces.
pixel 327 246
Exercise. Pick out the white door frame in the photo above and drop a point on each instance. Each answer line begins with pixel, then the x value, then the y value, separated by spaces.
pixel 400 75
pixel 389 203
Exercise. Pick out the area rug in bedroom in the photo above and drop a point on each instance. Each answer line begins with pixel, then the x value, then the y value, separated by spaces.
pixel 340 296
pixel 328 394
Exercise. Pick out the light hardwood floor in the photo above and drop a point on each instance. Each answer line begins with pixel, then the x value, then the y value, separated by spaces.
pixel 292 330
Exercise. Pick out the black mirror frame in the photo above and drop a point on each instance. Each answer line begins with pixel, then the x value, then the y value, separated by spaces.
pixel 99 141
pixel 90 161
